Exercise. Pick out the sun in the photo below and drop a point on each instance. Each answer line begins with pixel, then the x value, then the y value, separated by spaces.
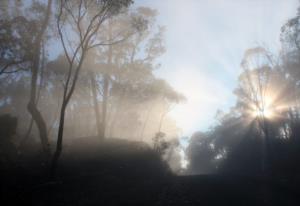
pixel 264 108
pixel 266 112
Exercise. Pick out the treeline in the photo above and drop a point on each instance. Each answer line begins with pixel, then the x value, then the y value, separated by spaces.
pixel 260 135
pixel 81 68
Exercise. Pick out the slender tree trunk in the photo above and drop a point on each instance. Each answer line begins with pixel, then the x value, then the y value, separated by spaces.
pixel 36 114
pixel 66 98
pixel 33 110
pixel 95 102
pixel 37 99
pixel 41 125
pixel 59 141
pixel 106 85
pixel 104 105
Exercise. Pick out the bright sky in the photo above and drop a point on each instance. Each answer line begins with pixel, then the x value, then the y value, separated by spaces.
pixel 205 41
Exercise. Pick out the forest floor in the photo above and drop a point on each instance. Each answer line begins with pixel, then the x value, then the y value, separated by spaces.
pixel 131 174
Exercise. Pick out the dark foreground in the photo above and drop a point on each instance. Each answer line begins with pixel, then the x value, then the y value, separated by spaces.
pixel 133 175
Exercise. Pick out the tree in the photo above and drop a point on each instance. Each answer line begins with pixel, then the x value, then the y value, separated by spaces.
pixel 124 71
pixel 201 154
pixel 257 127
pixel 16 37
pixel 290 43
pixel 170 96
pixel 256 92
pixel 21 39
pixel 35 68
pixel 15 44
pixel 85 18
pixel 123 66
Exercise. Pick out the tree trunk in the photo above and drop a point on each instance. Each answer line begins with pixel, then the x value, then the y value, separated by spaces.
pixel 95 102
pixel 66 98
pixel 23 141
pixel 33 110
pixel 106 85
pixel 104 105
pixel 59 140
pixel 41 125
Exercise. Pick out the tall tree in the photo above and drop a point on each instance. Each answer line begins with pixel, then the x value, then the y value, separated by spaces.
pixel 85 18
pixel 22 43
pixel 120 66
pixel 35 68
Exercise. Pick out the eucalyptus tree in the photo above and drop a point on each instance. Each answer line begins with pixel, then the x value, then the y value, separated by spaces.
pixel 35 68
pixel 15 37
pixel 22 41
pixel 118 68
pixel 257 93
pixel 290 57
pixel 134 62
pixel 80 20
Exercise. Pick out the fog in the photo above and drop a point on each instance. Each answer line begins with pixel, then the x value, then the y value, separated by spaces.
pixel 109 98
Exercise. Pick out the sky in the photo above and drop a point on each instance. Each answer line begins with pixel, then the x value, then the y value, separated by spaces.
pixel 205 42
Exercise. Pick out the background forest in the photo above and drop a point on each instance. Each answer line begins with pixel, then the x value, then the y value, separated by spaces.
pixel 78 69
pixel 260 134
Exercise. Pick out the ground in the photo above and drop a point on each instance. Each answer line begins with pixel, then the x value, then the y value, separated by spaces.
pixel 123 173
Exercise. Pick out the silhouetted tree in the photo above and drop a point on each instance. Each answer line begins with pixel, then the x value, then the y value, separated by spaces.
pixel 22 39
pixel 86 19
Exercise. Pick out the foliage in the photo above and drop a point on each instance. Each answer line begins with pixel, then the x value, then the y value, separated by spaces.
pixel 260 134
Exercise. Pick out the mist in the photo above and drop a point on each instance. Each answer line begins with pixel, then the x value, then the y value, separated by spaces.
pixel 149 103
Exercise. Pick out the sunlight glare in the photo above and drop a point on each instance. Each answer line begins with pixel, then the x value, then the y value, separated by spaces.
pixel 265 110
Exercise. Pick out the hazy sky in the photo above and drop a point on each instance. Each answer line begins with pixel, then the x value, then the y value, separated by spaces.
pixel 205 41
